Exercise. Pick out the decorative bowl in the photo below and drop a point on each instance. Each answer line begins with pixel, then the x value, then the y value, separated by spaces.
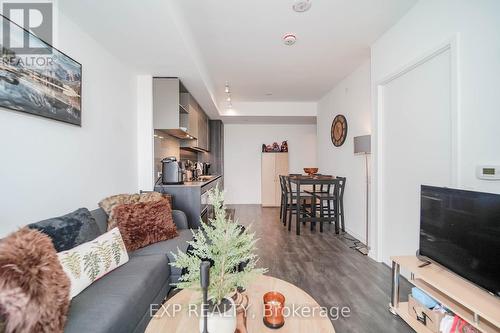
pixel 311 171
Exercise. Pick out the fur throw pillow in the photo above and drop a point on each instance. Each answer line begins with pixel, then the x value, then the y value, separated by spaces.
pixel 145 223
pixel 110 203
pixel 34 290
pixel 69 230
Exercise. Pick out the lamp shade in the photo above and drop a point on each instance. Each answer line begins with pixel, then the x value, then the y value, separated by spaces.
pixel 362 144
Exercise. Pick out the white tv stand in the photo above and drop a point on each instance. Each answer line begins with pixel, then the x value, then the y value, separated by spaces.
pixel 473 304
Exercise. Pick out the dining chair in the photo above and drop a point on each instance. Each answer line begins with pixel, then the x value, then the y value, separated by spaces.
pixel 292 207
pixel 284 199
pixel 342 181
pixel 328 197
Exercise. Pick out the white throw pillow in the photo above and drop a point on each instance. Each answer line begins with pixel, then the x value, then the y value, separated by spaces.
pixel 88 262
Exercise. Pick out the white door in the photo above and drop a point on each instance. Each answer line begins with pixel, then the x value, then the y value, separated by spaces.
pixel 268 186
pixel 416 148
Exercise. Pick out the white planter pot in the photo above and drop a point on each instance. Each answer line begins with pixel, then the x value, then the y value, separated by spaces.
pixel 221 322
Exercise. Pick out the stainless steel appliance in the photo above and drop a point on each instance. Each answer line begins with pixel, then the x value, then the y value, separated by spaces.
pixel 172 171
pixel 206 168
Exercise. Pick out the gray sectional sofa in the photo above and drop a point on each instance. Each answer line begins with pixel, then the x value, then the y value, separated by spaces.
pixel 120 301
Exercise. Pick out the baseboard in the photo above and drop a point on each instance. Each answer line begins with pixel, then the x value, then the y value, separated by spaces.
pixel 355 235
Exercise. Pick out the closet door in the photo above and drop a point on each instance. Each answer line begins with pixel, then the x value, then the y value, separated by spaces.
pixel 281 168
pixel 268 186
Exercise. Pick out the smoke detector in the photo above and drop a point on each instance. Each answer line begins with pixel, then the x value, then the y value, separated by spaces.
pixel 301 6
pixel 289 39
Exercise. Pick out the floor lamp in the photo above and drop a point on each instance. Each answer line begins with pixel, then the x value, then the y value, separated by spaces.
pixel 362 146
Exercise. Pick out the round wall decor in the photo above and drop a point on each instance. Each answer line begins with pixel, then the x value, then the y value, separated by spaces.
pixel 338 131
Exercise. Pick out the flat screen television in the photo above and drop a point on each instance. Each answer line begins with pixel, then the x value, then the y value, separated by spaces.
pixel 460 230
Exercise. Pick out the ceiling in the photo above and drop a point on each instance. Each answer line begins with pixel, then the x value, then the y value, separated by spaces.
pixel 209 42
pixel 241 42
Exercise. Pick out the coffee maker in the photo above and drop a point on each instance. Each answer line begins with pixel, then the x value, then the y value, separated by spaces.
pixel 172 171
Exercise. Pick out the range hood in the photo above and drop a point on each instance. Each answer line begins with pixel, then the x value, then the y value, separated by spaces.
pixel 179 133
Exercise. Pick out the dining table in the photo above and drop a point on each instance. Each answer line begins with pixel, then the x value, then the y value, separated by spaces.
pixel 314 181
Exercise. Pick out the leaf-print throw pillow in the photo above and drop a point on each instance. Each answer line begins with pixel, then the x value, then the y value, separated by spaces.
pixel 90 261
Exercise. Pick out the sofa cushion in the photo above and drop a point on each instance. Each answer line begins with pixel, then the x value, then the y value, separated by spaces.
pixel 166 247
pixel 118 301
pixel 69 230
pixel 145 223
pixel 110 203
pixel 90 261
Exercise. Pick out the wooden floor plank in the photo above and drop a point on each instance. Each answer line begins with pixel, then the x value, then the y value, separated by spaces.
pixel 325 267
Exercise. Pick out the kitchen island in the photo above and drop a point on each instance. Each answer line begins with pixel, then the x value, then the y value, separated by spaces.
pixel 192 197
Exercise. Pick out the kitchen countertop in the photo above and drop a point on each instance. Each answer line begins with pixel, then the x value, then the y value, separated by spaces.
pixel 198 183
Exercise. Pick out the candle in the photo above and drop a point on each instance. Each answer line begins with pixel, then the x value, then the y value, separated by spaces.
pixel 274 303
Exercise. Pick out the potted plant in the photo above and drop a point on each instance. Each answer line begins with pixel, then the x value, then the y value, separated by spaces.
pixel 226 245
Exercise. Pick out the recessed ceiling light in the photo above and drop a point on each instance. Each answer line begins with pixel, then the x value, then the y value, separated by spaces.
pixel 289 39
pixel 301 6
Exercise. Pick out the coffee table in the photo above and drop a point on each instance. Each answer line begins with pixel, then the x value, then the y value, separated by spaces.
pixel 182 322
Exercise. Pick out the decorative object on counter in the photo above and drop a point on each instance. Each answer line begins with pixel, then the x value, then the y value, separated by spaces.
pixel 284 147
pixel 49 87
pixel 275 147
pixel 338 131
pixel 311 171
pixel 274 303
pixel 34 290
pixel 238 245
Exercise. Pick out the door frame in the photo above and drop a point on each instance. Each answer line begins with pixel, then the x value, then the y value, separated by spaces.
pixel 376 202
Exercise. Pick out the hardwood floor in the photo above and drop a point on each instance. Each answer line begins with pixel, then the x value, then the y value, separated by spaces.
pixel 325 267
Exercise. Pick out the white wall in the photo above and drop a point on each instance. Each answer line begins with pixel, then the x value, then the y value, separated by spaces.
pixel 49 168
pixel 427 25
pixel 350 97
pixel 242 156
pixel 272 109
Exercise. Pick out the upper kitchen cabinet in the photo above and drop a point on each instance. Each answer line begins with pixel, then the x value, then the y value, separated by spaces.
pixel 176 112
pixel 203 131
pixel 172 108
pixel 198 121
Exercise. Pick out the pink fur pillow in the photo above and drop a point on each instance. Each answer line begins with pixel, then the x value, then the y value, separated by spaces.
pixel 34 290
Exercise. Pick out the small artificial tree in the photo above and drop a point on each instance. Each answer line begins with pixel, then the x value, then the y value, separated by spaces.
pixel 226 244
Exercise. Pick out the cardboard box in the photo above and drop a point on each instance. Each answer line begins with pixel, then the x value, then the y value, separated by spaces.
pixel 431 319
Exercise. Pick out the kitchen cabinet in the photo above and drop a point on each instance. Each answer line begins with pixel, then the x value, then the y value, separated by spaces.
pixel 166 103
pixel 171 112
pixel 198 119
pixel 216 145
pixel 176 112
pixel 203 131
pixel 273 165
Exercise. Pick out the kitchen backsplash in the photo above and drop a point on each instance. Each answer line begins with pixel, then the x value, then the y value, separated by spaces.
pixel 164 146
